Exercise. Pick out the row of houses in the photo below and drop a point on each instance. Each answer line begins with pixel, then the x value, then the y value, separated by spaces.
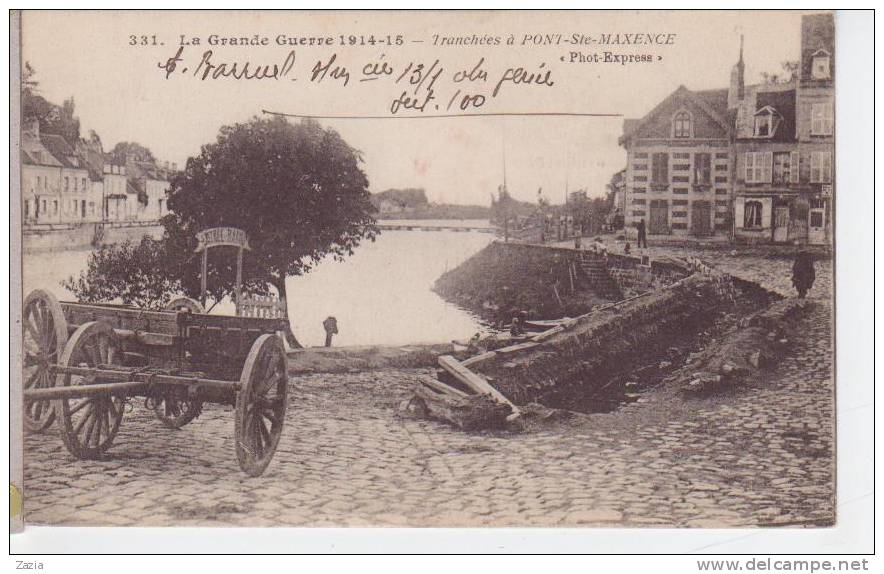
pixel 752 161
pixel 77 182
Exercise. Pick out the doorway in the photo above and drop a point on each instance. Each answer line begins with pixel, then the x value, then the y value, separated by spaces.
pixel 816 222
pixel 701 218
pixel 781 223
pixel 659 222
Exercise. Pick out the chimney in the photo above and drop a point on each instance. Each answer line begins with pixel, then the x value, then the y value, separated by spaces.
pixel 174 166
pixel 166 165
pixel 737 88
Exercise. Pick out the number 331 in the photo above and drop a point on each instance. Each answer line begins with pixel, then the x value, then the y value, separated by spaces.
pixel 143 40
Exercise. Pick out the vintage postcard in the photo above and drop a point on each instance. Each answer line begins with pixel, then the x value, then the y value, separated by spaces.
pixel 491 268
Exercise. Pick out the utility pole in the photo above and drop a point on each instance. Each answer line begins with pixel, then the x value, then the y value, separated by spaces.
pixel 504 199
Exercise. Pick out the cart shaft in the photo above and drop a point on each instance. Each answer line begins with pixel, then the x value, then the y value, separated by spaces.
pixel 121 375
pixel 83 391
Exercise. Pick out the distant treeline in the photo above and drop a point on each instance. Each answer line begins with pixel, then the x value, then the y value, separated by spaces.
pixel 412 203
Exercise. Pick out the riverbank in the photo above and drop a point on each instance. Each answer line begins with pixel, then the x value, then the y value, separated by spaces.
pixel 45 238
pixel 503 278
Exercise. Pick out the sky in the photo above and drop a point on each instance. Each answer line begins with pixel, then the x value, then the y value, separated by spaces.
pixel 122 94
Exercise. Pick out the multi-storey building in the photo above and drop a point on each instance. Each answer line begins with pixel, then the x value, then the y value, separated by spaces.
pixel 815 109
pixel 755 161
pixel 40 176
pixel 679 165
pixel 150 183
pixel 116 198
pixel 73 181
pixel 55 184
pixel 63 183
pixel 784 146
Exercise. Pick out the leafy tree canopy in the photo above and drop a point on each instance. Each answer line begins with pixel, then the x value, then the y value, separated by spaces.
pixel 138 152
pixel 297 190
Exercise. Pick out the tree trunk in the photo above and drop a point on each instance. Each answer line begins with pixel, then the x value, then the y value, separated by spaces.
pixel 279 284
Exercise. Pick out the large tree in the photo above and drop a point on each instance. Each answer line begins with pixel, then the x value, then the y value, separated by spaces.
pixel 138 152
pixel 297 190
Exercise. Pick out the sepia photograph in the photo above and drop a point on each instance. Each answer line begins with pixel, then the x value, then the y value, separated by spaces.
pixel 426 269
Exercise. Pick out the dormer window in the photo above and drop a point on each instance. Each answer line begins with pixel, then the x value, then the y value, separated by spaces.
pixel 681 125
pixel 820 68
pixel 766 121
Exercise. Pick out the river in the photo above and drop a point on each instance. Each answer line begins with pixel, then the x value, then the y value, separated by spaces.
pixel 380 295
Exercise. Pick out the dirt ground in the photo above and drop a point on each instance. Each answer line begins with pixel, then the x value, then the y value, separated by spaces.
pixel 759 455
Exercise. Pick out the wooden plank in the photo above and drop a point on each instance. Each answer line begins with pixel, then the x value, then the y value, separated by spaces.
pixel 441 387
pixel 472 412
pixel 547 334
pixel 479 358
pixel 547 323
pixel 122 317
pixel 145 338
pixel 516 348
pixel 473 380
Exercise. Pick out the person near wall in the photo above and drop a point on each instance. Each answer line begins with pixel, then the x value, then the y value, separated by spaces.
pixel 642 234
pixel 331 328
pixel 803 273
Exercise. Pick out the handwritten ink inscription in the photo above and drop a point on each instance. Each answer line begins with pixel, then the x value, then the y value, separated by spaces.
pixel 416 87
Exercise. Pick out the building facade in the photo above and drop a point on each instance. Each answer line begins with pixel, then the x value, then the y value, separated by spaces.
pixel 679 166
pixel 56 187
pixel 784 145
pixel 753 162
pixel 79 183
pixel 40 176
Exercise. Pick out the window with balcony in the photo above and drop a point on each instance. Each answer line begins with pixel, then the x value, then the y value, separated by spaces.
pixel 785 167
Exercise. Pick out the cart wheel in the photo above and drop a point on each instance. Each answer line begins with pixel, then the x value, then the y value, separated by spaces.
pixel 175 412
pixel 89 425
pixel 185 303
pixel 44 334
pixel 261 404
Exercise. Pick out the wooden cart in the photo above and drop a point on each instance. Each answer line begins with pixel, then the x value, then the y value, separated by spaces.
pixel 84 362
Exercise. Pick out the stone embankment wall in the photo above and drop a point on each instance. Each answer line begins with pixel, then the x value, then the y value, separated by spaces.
pixel 602 342
pixel 549 282
pixel 43 238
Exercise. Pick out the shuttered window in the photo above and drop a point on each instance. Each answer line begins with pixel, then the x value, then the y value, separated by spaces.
pixel 821 167
pixel 759 167
pixel 702 168
pixel 794 163
pixel 821 119
pixel 660 168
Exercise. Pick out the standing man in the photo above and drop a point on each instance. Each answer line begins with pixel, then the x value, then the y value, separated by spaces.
pixel 331 328
pixel 642 234
pixel 803 273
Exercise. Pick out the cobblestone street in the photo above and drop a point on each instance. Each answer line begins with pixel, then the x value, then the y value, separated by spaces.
pixel 760 455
